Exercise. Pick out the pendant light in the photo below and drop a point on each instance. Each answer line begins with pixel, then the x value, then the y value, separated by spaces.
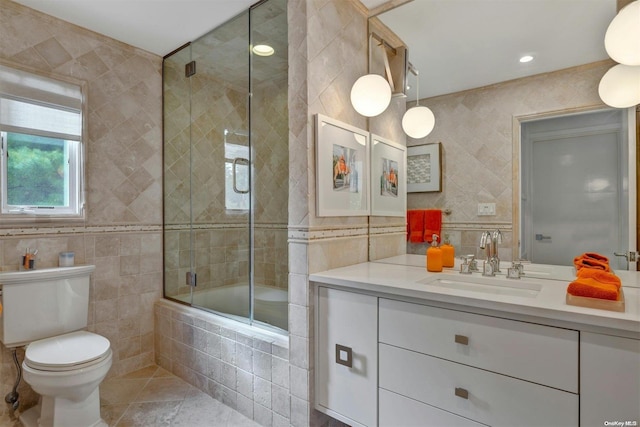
pixel 622 39
pixel 371 93
pixel 620 86
pixel 418 121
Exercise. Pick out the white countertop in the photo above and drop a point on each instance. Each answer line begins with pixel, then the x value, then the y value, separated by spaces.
pixel 540 293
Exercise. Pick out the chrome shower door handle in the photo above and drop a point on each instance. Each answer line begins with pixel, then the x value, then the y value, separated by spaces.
pixel 244 162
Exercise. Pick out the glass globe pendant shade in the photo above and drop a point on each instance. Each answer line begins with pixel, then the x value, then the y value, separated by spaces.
pixel 418 122
pixel 620 86
pixel 370 95
pixel 622 39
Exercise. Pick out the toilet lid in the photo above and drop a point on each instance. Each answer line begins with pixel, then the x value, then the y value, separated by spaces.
pixel 68 351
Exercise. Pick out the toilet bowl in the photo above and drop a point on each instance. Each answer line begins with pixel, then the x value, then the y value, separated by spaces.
pixel 66 371
pixel 47 310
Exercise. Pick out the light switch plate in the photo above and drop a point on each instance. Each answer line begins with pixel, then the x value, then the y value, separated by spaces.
pixel 485 209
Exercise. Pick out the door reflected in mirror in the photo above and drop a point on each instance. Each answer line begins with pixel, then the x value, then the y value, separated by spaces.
pixel 574 198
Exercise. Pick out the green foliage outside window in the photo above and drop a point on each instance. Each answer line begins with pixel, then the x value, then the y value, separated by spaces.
pixel 35 170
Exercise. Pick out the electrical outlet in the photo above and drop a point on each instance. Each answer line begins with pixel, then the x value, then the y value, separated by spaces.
pixel 485 209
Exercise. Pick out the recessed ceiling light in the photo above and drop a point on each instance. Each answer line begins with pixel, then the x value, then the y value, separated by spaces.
pixel 526 58
pixel 263 50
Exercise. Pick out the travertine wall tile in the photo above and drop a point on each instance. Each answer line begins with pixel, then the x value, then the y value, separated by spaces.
pixel 254 382
pixel 123 180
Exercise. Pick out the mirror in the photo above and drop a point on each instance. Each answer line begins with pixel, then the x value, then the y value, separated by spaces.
pixel 464 44
pixel 467 53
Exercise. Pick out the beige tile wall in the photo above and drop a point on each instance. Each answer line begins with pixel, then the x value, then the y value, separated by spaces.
pixel 122 232
pixel 245 368
pixel 329 39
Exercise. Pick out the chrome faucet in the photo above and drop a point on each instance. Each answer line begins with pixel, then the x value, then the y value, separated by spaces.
pixel 490 242
pixel 485 243
pixel 496 238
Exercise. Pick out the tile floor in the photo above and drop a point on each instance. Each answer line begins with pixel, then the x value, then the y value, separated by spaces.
pixel 154 397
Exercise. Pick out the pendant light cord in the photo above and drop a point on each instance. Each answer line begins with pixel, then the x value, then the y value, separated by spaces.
pixel 417 88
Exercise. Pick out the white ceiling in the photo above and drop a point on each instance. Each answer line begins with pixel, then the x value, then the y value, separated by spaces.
pixel 157 26
pixel 456 44
pixel 464 44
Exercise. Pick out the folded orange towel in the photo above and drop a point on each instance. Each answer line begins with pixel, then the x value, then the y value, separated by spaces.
pixel 600 276
pixel 591 263
pixel 591 288
pixel 596 256
pixel 432 224
pixel 415 226
pixel 592 260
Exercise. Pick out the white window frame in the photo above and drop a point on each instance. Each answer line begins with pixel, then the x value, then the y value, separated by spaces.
pixel 73 184
pixel 21 85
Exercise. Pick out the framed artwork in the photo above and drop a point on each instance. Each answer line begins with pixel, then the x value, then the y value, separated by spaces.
pixel 342 168
pixel 424 168
pixel 388 177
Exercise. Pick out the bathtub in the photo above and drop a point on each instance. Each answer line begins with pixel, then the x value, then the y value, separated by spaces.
pixel 271 304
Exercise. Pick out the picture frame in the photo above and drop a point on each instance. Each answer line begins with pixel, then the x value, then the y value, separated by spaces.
pixel 424 168
pixel 342 168
pixel 388 177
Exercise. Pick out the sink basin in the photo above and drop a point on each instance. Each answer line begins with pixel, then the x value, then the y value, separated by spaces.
pixel 485 285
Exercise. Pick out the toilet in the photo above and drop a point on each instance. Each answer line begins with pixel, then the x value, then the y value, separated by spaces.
pixel 46 310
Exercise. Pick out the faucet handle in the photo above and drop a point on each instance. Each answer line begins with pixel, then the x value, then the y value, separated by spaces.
pixel 488 269
pixel 515 271
pixel 518 265
pixel 465 267
pixel 473 263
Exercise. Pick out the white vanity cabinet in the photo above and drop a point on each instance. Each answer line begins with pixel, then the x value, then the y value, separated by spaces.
pixel 416 362
pixel 609 380
pixel 347 356
pixel 486 369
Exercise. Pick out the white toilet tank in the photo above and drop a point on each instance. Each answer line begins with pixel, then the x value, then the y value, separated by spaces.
pixel 43 303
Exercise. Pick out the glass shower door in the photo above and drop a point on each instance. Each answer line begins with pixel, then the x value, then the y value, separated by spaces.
pixel 270 149
pixel 176 174
pixel 220 169
pixel 207 171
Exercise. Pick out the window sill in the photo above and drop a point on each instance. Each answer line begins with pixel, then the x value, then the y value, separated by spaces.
pixel 29 221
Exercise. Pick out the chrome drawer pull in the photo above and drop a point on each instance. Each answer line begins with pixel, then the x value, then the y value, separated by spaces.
pixel 460 392
pixel 344 356
pixel 461 339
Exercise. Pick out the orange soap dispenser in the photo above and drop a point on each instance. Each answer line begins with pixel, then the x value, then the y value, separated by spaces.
pixel 434 256
pixel 448 252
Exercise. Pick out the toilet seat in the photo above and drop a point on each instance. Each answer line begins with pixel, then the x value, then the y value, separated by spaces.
pixel 67 352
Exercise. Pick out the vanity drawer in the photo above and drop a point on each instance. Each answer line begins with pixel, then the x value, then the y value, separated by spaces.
pixel 482 396
pixel 397 410
pixel 541 354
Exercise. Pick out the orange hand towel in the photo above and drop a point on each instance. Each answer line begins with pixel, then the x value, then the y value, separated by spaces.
pixel 592 260
pixel 415 226
pixel 596 256
pixel 591 263
pixel 591 288
pixel 432 224
pixel 600 276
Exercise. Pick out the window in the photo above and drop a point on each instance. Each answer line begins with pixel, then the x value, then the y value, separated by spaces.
pixel 236 163
pixel 41 146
